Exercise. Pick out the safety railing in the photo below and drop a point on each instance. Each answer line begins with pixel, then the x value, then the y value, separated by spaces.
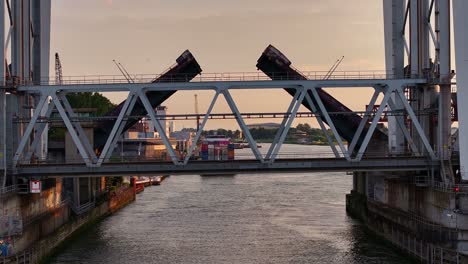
pixel 24 257
pixel 7 190
pixel 423 249
pixel 226 115
pixel 82 208
pixel 212 77
pixel 241 155
pixel 450 188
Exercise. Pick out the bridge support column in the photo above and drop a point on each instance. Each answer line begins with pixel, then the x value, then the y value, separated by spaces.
pixel 460 21
pixel 3 154
pixel 444 120
pixel 394 17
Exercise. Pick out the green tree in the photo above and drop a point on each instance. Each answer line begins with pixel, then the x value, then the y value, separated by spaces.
pixel 304 127
pixel 91 100
pixel 83 100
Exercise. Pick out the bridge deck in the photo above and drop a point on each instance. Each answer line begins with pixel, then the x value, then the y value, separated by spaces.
pixel 227 167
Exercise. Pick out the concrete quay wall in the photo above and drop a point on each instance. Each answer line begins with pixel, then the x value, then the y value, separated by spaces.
pixel 427 223
pixel 44 236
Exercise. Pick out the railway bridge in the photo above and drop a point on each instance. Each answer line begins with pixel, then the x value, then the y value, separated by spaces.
pixel 345 157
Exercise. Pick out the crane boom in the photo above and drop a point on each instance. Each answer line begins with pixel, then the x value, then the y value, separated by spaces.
pixel 333 68
pixel 58 70
pixel 124 72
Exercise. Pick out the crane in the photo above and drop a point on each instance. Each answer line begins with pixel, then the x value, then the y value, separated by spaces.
pixel 58 70
pixel 196 112
pixel 124 72
pixel 333 68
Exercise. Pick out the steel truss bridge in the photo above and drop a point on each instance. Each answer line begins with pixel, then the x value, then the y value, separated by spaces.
pixel 349 157
pixel 142 168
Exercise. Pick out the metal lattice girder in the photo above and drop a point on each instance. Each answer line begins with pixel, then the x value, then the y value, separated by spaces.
pixel 117 129
pixel 29 129
pixel 283 123
pixel 288 124
pixel 243 126
pixel 364 120
pixel 39 131
pixel 403 128
pixel 416 123
pixel 220 87
pixel 158 127
pixel 373 124
pixel 192 86
pixel 75 137
pixel 122 126
pixel 330 123
pixel 77 126
pixel 202 126
pixel 322 126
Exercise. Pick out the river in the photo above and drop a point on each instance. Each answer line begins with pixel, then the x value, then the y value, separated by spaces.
pixel 255 218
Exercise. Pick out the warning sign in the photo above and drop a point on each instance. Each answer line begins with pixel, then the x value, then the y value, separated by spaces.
pixel 35 186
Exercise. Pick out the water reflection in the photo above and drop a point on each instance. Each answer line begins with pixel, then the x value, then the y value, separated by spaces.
pixel 264 218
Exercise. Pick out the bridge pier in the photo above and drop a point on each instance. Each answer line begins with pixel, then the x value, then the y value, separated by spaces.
pixel 404 204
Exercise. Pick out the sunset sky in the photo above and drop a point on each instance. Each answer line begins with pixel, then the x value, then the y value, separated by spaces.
pixel 225 36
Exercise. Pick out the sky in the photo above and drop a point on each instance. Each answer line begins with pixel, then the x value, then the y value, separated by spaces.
pixel 146 36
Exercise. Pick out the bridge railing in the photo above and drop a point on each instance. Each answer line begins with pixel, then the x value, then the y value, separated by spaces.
pixel 212 77
pixel 244 156
pixel 7 190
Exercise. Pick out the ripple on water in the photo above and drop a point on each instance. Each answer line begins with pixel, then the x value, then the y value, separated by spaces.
pixel 293 218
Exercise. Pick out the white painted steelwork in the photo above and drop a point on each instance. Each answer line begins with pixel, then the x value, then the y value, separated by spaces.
pixel 444 119
pixel 211 77
pixel 282 166
pixel 394 62
pixel 30 45
pixel 3 156
pixel 138 92
pixel 460 20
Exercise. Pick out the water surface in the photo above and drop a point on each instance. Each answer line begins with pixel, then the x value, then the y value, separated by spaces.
pixel 256 218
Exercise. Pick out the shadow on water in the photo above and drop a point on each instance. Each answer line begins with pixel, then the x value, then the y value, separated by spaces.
pixel 366 247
